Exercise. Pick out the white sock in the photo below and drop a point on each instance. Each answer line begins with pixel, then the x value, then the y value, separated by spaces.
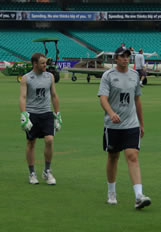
pixel 112 187
pixel 137 189
pixel 141 82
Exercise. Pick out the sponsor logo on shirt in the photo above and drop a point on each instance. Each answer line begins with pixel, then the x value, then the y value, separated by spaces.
pixel 131 79
pixel 124 99
pixel 115 79
pixel 40 93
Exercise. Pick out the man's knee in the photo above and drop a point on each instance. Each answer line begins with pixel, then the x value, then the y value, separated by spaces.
pixel 132 156
pixel 31 143
pixel 113 156
pixel 49 140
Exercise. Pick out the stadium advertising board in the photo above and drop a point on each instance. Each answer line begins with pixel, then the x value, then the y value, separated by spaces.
pixel 59 16
pixel 80 16
pixel 66 64
pixel 133 16
pixel 60 64
pixel 8 15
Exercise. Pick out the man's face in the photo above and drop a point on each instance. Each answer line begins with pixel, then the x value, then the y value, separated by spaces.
pixel 102 15
pixel 123 60
pixel 41 65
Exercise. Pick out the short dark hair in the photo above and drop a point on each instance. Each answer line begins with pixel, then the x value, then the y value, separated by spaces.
pixel 36 56
pixel 140 50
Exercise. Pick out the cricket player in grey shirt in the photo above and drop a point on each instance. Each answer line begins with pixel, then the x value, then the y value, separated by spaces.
pixel 119 94
pixel 37 93
pixel 140 63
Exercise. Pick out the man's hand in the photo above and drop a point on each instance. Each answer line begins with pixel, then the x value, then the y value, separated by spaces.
pixel 57 121
pixel 26 124
pixel 115 118
pixel 141 131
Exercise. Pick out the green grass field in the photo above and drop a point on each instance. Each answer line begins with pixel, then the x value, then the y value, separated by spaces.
pixel 77 202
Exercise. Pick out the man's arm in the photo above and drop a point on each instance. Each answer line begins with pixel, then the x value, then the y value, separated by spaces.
pixel 55 102
pixel 54 97
pixel 143 62
pixel 23 91
pixel 107 108
pixel 139 114
pixel 26 124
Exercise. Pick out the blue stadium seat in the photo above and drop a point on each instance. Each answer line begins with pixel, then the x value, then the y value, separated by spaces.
pixel 109 40
pixel 20 42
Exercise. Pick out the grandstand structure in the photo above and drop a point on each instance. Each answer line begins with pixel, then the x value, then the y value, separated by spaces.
pixel 27 20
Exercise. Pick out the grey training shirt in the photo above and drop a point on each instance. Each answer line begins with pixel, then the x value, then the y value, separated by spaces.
pixel 38 92
pixel 139 61
pixel 121 89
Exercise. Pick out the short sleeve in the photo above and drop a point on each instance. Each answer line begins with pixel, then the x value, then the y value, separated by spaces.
pixel 104 87
pixel 138 88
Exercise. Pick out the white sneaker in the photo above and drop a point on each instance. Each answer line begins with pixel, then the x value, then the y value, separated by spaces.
pixel 50 179
pixel 141 84
pixel 33 178
pixel 112 198
pixel 142 201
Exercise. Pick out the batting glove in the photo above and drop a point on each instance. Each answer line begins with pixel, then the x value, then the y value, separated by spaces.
pixel 26 124
pixel 57 121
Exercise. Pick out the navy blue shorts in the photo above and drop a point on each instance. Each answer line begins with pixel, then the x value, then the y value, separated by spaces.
pixel 118 140
pixel 141 73
pixel 43 125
